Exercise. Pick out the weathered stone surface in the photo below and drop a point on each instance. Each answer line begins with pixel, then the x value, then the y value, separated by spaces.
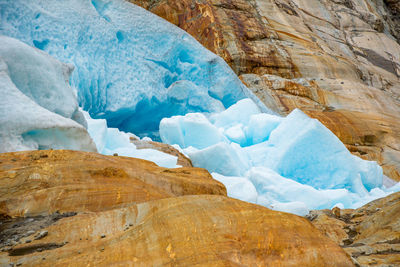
pixel 182 159
pixel 317 55
pixel 43 182
pixel 183 231
pixel 394 18
pixel 70 208
pixel 370 234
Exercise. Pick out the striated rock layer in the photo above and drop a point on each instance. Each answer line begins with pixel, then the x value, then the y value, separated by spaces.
pixel 43 182
pixel 337 60
pixel 170 229
pixel 184 231
pixel 370 234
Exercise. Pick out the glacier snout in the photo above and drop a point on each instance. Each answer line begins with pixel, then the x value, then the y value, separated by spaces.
pixel 38 108
pixel 132 67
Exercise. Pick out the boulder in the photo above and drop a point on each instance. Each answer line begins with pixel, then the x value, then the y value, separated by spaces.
pixel 370 234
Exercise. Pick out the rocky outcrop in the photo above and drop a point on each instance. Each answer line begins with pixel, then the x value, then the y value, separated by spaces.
pixel 337 60
pixel 182 159
pixel 394 17
pixel 370 234
pixel 43 182
pixel 77 209
pixel 183 231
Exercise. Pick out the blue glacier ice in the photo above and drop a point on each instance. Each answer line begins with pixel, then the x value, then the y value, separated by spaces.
pixel 135 72
pixel 294 163
pixel 304 150
pixel 38 108
pixel 110 141
pixel 132 67
pixel 238 187
pixel 203 134
pixel 222 158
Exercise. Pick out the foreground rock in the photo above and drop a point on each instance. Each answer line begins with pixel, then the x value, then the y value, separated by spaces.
pixel 336 60
pixel 370 234
pixel 66 208
pixel 43 182
pixel 183 231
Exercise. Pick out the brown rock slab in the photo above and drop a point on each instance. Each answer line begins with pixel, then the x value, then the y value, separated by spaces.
pixel 370 234
pixel 202 230
pixel 182 159
pixel 43 182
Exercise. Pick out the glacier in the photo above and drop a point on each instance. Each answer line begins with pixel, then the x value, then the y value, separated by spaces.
pixel 111 141
pixel 136 73
pixel 292 164
pixel 38 108
pixel 132 67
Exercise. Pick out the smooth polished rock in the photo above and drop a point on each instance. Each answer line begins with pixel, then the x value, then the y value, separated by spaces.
pixel 201 230
pixel 43 182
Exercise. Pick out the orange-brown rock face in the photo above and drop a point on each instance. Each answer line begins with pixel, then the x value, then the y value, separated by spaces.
pixel 85 209
pixel 232 29
pixel 42 182
pixel 183 231
pixel 182 159
pixel 320 56
pixel 370 234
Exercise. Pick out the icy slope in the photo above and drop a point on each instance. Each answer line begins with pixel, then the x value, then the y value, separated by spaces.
pixel 38 109
pixel 132 67
pixel 292 164
pixel 111 140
